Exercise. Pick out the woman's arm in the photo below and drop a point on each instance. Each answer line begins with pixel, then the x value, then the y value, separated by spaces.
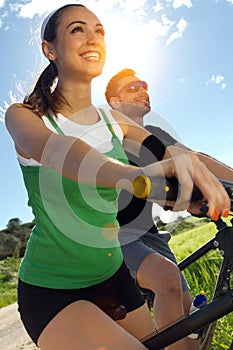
pixel 79 162
pixel 71 157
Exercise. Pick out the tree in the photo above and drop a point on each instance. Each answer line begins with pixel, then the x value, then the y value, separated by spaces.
pixel 8 244
pixel 159 223
pixel 12 223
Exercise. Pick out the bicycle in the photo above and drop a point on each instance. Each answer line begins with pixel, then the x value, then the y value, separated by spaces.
pixel 222 300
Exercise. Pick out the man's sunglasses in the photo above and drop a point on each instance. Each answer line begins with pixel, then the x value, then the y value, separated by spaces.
pixel 134 86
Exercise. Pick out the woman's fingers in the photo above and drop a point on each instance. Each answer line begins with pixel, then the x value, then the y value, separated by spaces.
pixel 183 171
pixel 190 171
pixel 212 190
pixel 216 197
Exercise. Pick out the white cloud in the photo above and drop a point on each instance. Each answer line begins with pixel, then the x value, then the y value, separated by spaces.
pixel 154 29
pixel 158 7
pixel 181 26
pixel 230 1
pixel 128 7
pixel 129 17
pixel 39 7
pixel 131 6
pixel 124 22
pixel 218 79
pixel 167 23
pixel 118 11
pixel 223 85
pixel 2 3
pixel 179 3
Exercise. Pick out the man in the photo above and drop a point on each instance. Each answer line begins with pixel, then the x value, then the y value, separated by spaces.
pixel 146 251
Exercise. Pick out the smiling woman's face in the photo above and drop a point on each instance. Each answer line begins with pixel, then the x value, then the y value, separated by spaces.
pixel 79 48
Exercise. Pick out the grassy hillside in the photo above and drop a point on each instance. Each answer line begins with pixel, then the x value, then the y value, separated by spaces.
pixel 202 275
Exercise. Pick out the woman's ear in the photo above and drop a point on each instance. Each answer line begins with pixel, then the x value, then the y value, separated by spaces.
pixel 48 50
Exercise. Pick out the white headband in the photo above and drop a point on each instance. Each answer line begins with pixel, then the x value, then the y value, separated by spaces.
pixel 45 22
pixel 47 18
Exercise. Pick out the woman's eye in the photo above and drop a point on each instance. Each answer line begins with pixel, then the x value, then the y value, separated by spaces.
pixel 100 31
pixel 77 29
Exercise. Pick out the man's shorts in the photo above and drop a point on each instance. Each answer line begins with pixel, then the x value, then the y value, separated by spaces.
pixel 136 247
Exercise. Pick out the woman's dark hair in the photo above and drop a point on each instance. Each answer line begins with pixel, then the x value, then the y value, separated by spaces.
pixel 42 98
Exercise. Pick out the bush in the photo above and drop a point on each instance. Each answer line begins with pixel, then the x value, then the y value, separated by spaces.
pixel 8 280
pixel 14 239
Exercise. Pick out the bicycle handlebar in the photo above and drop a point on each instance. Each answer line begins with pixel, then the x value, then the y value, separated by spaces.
pixel 167 189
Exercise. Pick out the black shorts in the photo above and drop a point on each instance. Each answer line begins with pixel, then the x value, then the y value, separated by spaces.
pixel 38 305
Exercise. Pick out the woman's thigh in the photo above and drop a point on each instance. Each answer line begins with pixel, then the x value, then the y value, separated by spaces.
pixel 138 322
pixel 83 326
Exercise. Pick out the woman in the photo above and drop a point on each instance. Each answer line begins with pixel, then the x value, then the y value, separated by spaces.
pixel 72 278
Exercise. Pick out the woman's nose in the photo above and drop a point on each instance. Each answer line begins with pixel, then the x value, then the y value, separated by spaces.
pixel 92 37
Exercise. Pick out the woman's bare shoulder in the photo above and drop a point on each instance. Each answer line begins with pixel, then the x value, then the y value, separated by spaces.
pixel 18 106
pixel 18 110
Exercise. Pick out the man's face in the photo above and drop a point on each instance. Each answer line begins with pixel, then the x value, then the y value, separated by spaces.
pixel 132 96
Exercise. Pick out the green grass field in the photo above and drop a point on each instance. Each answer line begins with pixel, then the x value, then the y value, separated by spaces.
pixel 200 275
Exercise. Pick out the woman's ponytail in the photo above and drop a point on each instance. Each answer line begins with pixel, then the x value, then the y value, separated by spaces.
pixel 44 96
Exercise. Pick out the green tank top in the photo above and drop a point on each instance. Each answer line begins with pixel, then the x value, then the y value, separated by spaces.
pixel 74 243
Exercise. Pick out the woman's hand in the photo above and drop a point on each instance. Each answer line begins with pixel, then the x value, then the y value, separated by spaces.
pixel 189 170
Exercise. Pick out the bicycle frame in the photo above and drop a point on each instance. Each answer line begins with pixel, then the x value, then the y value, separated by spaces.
pixel 222 302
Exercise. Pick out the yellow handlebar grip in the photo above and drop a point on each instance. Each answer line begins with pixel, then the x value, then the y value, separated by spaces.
pixel 141 187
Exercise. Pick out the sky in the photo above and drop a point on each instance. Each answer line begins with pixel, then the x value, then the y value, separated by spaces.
pixel 182 48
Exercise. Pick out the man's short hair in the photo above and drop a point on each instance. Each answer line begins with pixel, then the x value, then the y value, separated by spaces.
pixel 111 89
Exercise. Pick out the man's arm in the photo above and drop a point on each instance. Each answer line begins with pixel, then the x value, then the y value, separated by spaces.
pixel 162 135
pixel 219 169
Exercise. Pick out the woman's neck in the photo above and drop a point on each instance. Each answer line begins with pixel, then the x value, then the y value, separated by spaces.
pixel 78 97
